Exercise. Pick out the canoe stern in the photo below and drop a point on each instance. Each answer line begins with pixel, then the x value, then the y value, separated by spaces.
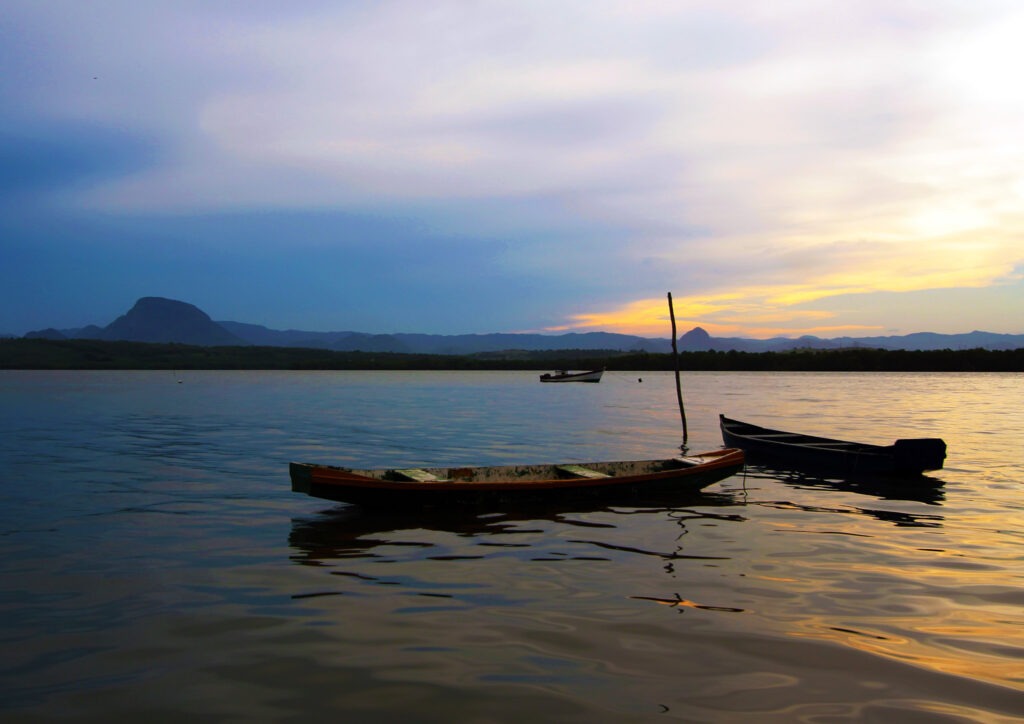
pixel 925 453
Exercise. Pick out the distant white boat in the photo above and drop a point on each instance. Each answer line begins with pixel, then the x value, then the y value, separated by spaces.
pixel 566 376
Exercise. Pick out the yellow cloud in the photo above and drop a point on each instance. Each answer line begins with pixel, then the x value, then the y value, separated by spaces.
pixel 651 316
pixel 766 310
pixel 748 314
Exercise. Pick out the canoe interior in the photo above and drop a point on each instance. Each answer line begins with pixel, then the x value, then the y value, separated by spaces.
pixel 513 475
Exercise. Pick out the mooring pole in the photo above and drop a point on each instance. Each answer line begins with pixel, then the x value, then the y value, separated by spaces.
pixel 675 357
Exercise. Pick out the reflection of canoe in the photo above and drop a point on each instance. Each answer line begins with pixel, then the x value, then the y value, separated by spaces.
pixel 564 376
pixel 794 450
pixel 923 489
pixel 349 531
pixel 623 480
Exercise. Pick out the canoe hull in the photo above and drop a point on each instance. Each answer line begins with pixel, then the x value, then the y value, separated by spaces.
pixel 908 457
pixel 623 481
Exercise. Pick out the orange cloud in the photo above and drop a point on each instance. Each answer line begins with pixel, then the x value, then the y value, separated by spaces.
pixel 725 315
pixel 958 260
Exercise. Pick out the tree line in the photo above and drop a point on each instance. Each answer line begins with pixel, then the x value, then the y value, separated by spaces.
pixel 43 354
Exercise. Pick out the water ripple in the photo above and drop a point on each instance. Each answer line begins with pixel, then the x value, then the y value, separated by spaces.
pixel 155 562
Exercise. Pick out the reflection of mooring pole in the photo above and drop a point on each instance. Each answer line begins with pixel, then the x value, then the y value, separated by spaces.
pixel 675 356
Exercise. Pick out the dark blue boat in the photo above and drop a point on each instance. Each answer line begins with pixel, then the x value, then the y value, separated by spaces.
pixel 907 457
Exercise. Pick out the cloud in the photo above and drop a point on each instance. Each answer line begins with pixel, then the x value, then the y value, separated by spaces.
pixel 58 157
pixel 758 156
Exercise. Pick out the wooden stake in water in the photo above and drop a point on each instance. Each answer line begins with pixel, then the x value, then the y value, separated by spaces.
pixel 675 357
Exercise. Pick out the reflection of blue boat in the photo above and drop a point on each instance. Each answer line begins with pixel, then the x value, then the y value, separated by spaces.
pixel 506 484
pixel 565 376
pixel 795 450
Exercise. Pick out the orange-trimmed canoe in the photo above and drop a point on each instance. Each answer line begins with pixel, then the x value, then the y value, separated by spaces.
pixel 622 481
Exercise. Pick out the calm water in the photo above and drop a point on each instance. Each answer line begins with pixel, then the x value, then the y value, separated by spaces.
pixel 155 566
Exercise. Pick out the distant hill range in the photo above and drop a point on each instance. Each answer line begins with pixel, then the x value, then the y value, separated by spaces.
pixel 155 319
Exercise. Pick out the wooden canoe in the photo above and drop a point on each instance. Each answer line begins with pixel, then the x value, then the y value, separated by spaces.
pixel 906 457
pixel 623 481
pixel 564 376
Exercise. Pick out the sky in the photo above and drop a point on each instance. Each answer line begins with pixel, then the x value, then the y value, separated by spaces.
pixel 470 166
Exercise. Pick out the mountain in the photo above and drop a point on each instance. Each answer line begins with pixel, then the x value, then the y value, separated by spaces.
pixel 931 341
pixel 696 340
pixel 440 343
pixel 48 333
pixel 155 319
pixel 337 341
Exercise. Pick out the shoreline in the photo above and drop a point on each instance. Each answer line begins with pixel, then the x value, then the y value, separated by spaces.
pixel 85 354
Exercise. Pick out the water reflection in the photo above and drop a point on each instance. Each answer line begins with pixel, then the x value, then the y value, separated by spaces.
pixel 923 489
pixel 760 479
pixel 353 532
pixel 531 563
pixel 680 602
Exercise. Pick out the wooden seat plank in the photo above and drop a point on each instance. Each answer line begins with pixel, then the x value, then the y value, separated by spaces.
pixel 417 475
pixel 578 471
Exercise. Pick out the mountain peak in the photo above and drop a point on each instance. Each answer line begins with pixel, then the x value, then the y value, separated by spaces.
pixel 156 319
pixel 696 339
